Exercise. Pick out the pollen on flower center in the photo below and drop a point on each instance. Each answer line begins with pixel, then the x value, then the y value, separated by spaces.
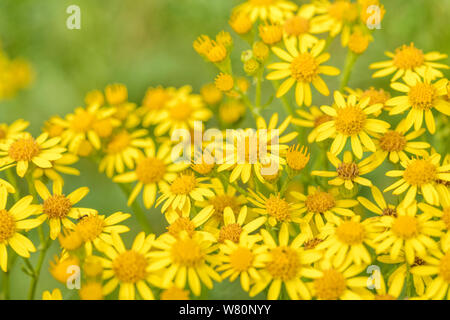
pixel 444 267
pixel 422 95
pixel 342 10
pixel 296 26
pixel 304 68
pixel 90 227
pixel 183 184
pixel 446 217
pixel 311 244
pixel 7 225
pixel 175 293
pixel 405 227
pixel 241 259
pixel 350 120
pixel 150 170
pixel 348 171
pixel 331 285
pixel 187 252
pixel 129 267
pixel 230 232
pixel 322 119
pixel 82 121
pixel 420 172
pixel 408 57
pixel 181 111
pixel 278 208
pixel 181 224
pixel 350 232
pixel 119 142
pixel 297 158
pixel 319 202
pixel 389 212
pixel 392 141
pixel 285 263
pixel 221 201
pixel 376 96
pixel 57 206
pixel 23 149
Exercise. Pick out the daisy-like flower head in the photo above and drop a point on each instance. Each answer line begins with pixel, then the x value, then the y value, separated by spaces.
pixel 25 149
pixel 335 17
pixel 397 279
pixel 57 208
pixel 321 206
pixel 273 10
pixel 396 143
pixel 297 158
pixel 407 231
pixel 348 172
pixel 181 112
pixel 275 207
pixel 302 67
pixel 186 259
pixel 380 207
pixel 13 130
pixel 123 149
pixel 351 119
pixel 240 22
pixel 128 268
pixel 286 264
pixel 182 222
pixel 312 118
pixel 234 226
pixel 267 136
pixel 421 97
pixel 62 165
pixel 407 60
pixel 54 295
pixel 242 259
pixel 347 239
pixel 270 33
pixel 224 196
pixel 95 229
pixel 419 173
pixel 12 222
pixel 342 283
pixel 153 104
pixel 376 96
pixel 185 187
pixel 153 170
pixel 60 267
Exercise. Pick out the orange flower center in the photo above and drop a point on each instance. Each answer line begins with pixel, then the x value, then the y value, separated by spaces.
pixel 304 67
pixel 351 232
pixel 405 227
pixel 419 172
pixel 296 26
pixel 408 57
pixel 350 120
pixel 422 95
pixel 150 170
pixel 241 259
pixel 230 232
pixel 129 267
pixel 348 171
pixel 23 149
pixel 392 141
pixel 319 202
pixel 285 263
pixel 331 285
pixel 57 206
pixel 7 225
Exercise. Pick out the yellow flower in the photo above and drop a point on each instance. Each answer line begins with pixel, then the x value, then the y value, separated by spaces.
pixel 408 231
pixel 12 221
pixel 128 268
pixel 153 170
pixel 70 240
pixel 186 259
pixel 13 130
pixel 286 264
pixel 347 240
pixel 91 290
pixel 351 119
pixel 275 207
pixel 62 165
pixel 153 104
pixel 116 93
pixel 123 149
pixel 419 173
pixel 224 82
pixel 25 149
pixel 174 293
pixel 57 208
pixel 210 94
pixel 376 96
pixel 381 207
pixel 240 23
pixel 54 295
pixel 297 158
pixel 300 27
pixel 95 229
pixel 94 97
pixel 359 41
pixel 250 139
pixel 273 10
pixel 319 205
pixel 231 111
pixel 179 223
pixel 8 187
pixel 181 112
pixel 348 171
pixel 211 50
pixel 185 187
pixel 270 33
pixel 242 259
pixel 408 60
pixel 421 97
pixel 443 215
pixel 312 118
pixel 61 267
pixel 303 68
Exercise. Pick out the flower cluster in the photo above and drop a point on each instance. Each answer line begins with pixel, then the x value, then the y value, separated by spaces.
pixel 359 184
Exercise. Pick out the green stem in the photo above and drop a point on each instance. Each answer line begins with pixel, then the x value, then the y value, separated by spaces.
pixel 37 271
pixel 253 110
pixel 349 62
pixel 258 90
pixel 137 210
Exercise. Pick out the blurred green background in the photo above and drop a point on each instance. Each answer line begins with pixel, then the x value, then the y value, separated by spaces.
pixel 146 43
